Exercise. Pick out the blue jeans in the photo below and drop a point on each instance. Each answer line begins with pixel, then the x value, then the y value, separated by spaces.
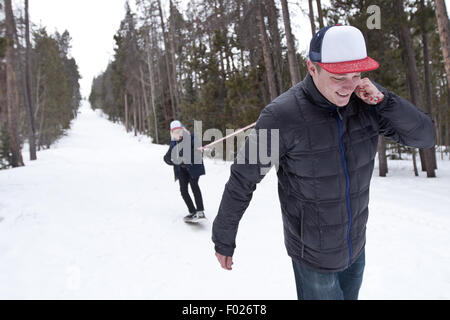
pixel 343 285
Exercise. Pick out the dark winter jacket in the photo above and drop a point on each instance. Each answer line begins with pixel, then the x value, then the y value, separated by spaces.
pixel 195 170
pixel 325 166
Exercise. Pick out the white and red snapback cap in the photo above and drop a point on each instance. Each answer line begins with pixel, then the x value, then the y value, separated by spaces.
pixel 341 49
pixel 175 124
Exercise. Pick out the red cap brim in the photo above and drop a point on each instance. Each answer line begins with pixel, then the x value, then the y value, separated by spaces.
pixel 175 128
pixel 366 64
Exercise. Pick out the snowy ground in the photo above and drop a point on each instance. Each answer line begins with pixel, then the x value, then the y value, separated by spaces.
pixel 99 217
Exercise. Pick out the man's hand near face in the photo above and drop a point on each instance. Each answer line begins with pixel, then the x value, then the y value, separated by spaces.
pixel 368 93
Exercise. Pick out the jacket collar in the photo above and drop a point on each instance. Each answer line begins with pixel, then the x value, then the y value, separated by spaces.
pixel 314 94
pixel 317 98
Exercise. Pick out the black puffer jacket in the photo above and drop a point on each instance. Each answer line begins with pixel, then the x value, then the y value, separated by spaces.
pixel 325 166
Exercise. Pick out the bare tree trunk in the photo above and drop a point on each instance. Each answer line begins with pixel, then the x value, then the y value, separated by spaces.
pixel 135 123
pixel 311 18
pixel 143 114
pixel 293 63
pixel 241 9
pixel 382 160
pixel 148 121
pixel 166 51
pixel 29 88
pixel 423 164
pixel 266 52
pixel 276 41
pixel 415 89
pixel 144 93
pixel 442 20
pixel 172 54
pixel 125 97
pixel 166 115
pixel 12 95
pixel 447 125
pixel 447 134
pixel 426 63
pixel 319 10
pixel 152 89
pixel 38 83
pixel 41 127
pixel 413 151
pixel 2 93
pixel 438 127
pixel 140 114
pixel 439 140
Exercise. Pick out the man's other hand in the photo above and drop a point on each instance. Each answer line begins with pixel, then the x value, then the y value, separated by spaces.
pixel 225 262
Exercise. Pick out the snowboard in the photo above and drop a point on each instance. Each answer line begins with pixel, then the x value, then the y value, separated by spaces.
pixel 194 221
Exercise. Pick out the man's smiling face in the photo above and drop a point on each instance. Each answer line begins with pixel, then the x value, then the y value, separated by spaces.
pixel 336 88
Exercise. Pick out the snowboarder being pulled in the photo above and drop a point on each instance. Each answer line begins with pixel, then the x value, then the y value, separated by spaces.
pixel 188 167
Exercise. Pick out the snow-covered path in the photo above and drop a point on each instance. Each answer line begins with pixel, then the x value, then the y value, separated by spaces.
pixel 99 216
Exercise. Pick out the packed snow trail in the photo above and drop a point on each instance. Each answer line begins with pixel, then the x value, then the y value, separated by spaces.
pixel 99 216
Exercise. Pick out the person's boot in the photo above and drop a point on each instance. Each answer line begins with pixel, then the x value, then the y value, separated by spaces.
pixel 189 217
pixel 199 215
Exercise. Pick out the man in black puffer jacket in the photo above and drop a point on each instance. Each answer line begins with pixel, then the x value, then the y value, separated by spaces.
pixel 328 127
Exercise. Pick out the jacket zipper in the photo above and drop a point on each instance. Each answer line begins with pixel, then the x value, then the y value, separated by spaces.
pixel 338 118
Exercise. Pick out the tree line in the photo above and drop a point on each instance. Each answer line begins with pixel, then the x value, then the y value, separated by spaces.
pixel 222 61
pixel 39 85
pixel 206 63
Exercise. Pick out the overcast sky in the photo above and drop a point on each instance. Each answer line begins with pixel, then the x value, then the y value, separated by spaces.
pixel 93 23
